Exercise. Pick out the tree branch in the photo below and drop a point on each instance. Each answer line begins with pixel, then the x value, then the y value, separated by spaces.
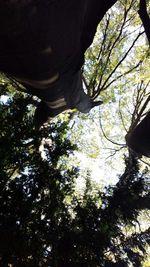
pixel 104 86
pixel 108 139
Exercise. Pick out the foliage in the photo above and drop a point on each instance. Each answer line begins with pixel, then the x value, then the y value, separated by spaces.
pixel 109 59
pixel 44 219
pixel 43 222
pixel 114 71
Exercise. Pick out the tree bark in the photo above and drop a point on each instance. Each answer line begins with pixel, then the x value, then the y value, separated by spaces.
pixel 96 9
pixel 145 18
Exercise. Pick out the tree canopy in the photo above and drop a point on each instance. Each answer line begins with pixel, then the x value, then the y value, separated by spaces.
pixel 45 220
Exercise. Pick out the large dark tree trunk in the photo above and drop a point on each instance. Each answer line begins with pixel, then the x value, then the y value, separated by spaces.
pixel 96 9
pixel 139 138
pixel 145 18
pixel 27 27
pixel 42 45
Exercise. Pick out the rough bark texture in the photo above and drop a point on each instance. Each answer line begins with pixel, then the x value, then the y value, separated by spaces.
pixel 41 40
pixel 145 18
pixel 139 138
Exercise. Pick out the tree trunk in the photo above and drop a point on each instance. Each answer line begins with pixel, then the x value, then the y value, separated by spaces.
pixel 145 18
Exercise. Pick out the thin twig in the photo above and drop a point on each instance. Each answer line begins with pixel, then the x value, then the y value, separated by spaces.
pixel 107 138
pixel 123 58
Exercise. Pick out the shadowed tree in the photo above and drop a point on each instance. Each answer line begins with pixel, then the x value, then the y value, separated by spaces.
pixel 138 137
pixel 143 12
pixel 42 220
pixel 43 45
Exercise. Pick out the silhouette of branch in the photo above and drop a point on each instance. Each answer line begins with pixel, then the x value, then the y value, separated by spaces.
pixel 121 116
pixel 139 108
pixel 15 84
pixel 106 137
pixel 148 164
pixel 86 84
pixel 105 86
pixel 122 75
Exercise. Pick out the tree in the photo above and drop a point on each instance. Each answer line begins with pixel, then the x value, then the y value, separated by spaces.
pixel 32 189
pixel 145 18
pixel 114 72
pixel 43 221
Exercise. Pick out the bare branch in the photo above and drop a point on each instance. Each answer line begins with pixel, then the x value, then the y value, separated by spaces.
pixel 139 107
pixel 16 84
pixel 106 137
pixel 121 116
pixel 121 75
pixel 111 46
pixel 86 84
pixel 120 62
pixel 148 164
pixel 115 152
pixel 104 36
